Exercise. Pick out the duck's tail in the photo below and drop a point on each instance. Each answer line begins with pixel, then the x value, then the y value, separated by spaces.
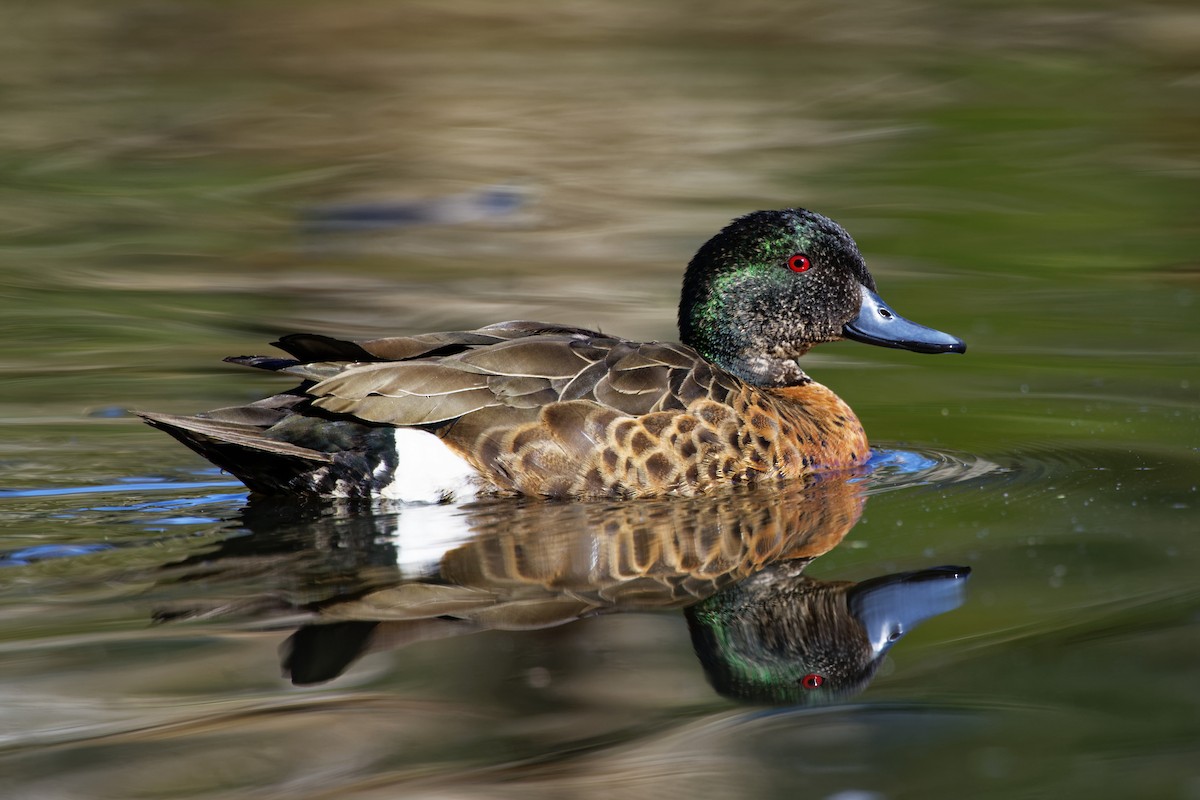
pixel 240 447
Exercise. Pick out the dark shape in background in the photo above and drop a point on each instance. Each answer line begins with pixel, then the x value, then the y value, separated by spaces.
pixel 495 203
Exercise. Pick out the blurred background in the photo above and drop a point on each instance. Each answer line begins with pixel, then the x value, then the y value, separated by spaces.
pixel 181 181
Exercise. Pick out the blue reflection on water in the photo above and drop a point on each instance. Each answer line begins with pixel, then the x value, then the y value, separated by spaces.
pixel 42 552
pixel 146 485
pixel 904 462
pixel 156 515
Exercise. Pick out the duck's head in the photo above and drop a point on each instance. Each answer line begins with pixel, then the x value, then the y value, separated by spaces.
pixel 772 284
pixel 780 637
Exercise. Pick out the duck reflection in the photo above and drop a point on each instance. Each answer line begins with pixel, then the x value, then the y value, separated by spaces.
pixel 781 637
pixel 378 579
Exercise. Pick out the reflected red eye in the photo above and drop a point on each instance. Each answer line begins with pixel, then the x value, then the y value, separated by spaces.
pixel 812 680
pixel 799 263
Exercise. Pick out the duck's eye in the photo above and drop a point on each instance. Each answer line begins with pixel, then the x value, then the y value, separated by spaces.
pixel 799 263
pixel 812 680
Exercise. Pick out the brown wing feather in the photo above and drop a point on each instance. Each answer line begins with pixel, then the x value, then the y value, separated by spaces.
pixel 397 379
pixel 519 365
pixel 537 356
pixel 409 410
pixel 401 348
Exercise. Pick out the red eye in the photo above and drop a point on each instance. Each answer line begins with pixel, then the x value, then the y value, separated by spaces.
pixel 812 680
pixel 799 263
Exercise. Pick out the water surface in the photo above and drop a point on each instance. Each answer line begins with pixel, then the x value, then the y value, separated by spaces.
pixel 182 183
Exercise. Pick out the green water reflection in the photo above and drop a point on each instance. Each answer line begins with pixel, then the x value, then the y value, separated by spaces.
pixel 1022 175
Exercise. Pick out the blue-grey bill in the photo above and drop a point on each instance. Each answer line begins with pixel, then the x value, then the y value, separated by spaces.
pixel 891 606
pixel 877 323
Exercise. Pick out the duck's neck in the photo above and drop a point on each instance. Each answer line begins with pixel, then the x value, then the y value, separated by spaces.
pixel 766 371
pixel 726 331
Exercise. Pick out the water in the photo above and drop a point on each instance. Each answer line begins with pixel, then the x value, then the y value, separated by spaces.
pixel 181 183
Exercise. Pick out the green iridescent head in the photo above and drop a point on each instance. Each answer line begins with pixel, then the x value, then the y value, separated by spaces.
pixel 792 643
pixel 782 638
pixel 772 284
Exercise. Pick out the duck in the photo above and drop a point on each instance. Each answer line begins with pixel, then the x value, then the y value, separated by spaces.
pixel 556 411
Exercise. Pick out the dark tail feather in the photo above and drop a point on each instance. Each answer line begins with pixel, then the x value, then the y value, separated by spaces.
pixel 320 653
pixel 265 465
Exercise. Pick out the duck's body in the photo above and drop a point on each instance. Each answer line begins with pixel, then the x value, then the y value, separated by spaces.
pixel 519 407
pixel 546 410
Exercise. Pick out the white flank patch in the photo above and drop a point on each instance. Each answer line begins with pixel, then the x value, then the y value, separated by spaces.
pixel 424 534
pixel 427 471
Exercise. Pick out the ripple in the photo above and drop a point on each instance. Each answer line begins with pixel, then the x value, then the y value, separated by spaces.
pixel 29 555
pixel 1026 470
pixel 146 485
pixel 165 504
pixel 125 514
pixel 899 469
pixel 1035 469
pixel 170 504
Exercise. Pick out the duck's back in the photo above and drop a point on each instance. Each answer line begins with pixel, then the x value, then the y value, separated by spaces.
pixel 521 407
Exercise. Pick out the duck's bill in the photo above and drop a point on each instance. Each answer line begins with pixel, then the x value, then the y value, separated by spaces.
pixel 876 323
pixel 890 606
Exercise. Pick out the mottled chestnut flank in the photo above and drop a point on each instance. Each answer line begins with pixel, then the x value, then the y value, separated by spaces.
pixel 555 411
pixel 711 431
